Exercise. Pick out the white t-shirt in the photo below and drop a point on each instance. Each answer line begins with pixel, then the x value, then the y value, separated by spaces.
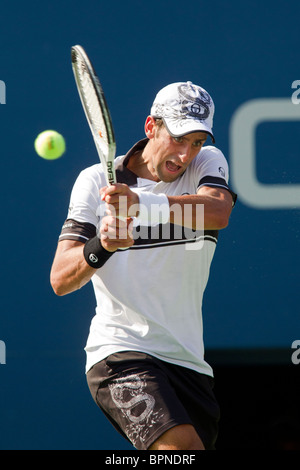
pixel 149 297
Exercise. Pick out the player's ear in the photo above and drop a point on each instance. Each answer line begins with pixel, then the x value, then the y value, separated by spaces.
pixel 150 127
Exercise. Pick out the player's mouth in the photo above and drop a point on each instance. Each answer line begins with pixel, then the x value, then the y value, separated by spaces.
pixel 172 167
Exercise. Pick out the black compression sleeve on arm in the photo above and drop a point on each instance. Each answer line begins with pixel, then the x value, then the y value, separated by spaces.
pixel 94 253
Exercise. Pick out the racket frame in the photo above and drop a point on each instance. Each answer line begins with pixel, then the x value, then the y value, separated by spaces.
pixel 105 151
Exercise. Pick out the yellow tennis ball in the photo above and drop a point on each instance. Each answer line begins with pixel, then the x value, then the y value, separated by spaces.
pixel 50 145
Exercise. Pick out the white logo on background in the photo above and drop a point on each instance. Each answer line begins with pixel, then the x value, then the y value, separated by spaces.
pixel 2 353
pixel 243 153
pixel 2 92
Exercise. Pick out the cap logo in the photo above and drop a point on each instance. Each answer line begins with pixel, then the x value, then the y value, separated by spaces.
pixel 184 108
pixel 194 105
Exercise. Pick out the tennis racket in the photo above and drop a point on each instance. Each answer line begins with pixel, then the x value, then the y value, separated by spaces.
pixel 96 110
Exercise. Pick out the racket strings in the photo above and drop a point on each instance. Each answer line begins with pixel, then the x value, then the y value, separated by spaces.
pixel 92 105
pixel 96 110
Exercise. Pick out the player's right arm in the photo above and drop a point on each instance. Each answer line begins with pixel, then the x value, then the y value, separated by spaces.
pixel 70 271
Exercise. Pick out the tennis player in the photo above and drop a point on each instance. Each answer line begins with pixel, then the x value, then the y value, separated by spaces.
pixel 148 253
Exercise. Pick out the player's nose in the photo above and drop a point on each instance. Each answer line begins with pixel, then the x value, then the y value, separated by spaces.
pixel 184 153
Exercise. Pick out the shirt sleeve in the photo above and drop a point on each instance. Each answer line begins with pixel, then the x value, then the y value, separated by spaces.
pixel 86 207
pixel 212 170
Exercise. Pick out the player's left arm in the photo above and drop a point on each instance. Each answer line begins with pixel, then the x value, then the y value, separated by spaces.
pixel 216 202
pixel 217 206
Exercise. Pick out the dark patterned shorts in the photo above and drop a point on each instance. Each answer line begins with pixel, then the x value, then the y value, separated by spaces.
pixel 143 397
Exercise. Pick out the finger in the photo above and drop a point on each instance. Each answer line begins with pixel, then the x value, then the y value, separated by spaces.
pixel 116 188
pixel 116 221
pixel 117 211
pixel 115 228
pixel 118 201
pixel 103 191
pixel 112 245
pixel 120 233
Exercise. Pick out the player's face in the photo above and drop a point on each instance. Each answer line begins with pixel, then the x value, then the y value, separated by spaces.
pixel 172 155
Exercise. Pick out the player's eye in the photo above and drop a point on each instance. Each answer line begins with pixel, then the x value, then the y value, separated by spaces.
pixel 179 140
pixel 198 143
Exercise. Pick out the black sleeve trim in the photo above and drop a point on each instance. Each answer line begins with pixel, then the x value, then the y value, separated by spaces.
pixel 214 181
pixel 78 231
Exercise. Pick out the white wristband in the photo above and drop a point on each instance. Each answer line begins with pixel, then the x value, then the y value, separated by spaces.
pixel 153 208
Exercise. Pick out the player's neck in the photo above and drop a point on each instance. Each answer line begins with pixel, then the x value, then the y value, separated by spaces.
pixel 141 165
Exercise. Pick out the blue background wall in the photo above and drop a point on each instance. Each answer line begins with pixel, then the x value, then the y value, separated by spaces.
pixel 238 51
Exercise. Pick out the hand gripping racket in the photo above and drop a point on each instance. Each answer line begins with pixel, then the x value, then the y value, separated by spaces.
pixel 96 110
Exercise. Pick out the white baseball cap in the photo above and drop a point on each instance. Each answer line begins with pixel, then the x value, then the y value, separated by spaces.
pixel 184 108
